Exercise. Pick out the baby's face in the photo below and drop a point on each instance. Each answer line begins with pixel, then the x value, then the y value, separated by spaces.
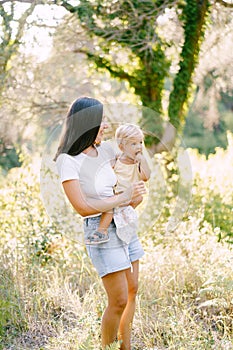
pixel 132 147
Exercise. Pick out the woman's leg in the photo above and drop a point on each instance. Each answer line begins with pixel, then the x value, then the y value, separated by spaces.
pixel 116 286
pixel 128 314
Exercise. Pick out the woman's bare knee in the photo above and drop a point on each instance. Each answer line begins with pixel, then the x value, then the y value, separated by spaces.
pixel 117 290
pixel 119 303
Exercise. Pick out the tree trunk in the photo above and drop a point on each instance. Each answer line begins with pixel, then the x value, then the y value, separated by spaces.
pixel 194 15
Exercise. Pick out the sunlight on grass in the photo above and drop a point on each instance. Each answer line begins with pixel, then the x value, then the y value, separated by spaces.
pixel 52 299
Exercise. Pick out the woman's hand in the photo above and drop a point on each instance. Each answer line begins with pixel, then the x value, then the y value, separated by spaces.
pixel 136 201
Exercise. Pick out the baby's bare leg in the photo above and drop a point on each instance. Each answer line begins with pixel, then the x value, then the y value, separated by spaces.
pixel 101 234
pixel 105 221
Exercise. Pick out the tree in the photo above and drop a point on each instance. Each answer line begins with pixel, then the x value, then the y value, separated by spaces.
pixel 10 39
pixel 210 114
pixel 214 71
pixel 38 93
pixel 133 26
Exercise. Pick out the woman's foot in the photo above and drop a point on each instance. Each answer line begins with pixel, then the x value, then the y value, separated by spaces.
pixel 97 238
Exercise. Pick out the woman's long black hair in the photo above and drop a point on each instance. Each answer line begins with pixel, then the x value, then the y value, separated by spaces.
pixel 81 126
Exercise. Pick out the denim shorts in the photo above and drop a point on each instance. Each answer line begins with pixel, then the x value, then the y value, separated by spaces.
pixel 114 255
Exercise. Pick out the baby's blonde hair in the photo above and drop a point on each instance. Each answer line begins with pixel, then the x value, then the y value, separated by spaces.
pixel 127 132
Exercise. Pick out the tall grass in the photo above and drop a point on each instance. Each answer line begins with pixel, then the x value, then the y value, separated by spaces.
pixel 52 299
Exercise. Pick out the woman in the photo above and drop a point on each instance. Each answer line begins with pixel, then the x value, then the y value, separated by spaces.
pixel 84 166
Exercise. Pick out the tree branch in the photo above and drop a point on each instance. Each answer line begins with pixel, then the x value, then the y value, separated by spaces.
pixel 102 62
pixel 131 25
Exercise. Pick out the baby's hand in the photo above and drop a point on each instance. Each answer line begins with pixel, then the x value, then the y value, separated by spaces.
pixel 138 157
pixel 137 189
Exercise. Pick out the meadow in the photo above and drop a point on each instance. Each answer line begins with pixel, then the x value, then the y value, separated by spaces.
pixel 52 299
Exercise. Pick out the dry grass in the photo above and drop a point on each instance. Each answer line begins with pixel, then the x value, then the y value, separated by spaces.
pixel 52 299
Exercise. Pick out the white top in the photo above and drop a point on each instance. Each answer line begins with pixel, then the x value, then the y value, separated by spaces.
pixel 95 174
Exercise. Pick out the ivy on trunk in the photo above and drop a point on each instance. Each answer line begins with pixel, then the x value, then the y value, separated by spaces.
pixel 131 25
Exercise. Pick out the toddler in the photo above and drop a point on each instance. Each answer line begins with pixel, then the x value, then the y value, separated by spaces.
pixel 130 166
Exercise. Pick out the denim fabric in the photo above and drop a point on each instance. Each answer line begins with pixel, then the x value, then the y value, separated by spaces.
pixel 114 255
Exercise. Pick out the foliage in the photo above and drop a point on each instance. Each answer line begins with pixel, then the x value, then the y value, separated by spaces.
pixel 9 157
pixel 52 299
pixel 196 135
pixel 29 246
pixel 133 27
pixel 187 306
pixel 213 190
pixel 210 114
pixel 38 94
pixel 214 68
pixel 32 104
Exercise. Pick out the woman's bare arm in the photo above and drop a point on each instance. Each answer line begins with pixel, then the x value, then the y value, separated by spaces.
pixel 86 206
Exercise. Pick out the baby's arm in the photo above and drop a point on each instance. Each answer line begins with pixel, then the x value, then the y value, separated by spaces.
pixel 143 167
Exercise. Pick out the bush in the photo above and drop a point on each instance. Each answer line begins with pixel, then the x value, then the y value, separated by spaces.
pixel 213 191
pixel 9 157
pixel 51 297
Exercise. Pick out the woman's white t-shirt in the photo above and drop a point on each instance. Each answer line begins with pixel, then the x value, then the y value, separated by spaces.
pixel 95 174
